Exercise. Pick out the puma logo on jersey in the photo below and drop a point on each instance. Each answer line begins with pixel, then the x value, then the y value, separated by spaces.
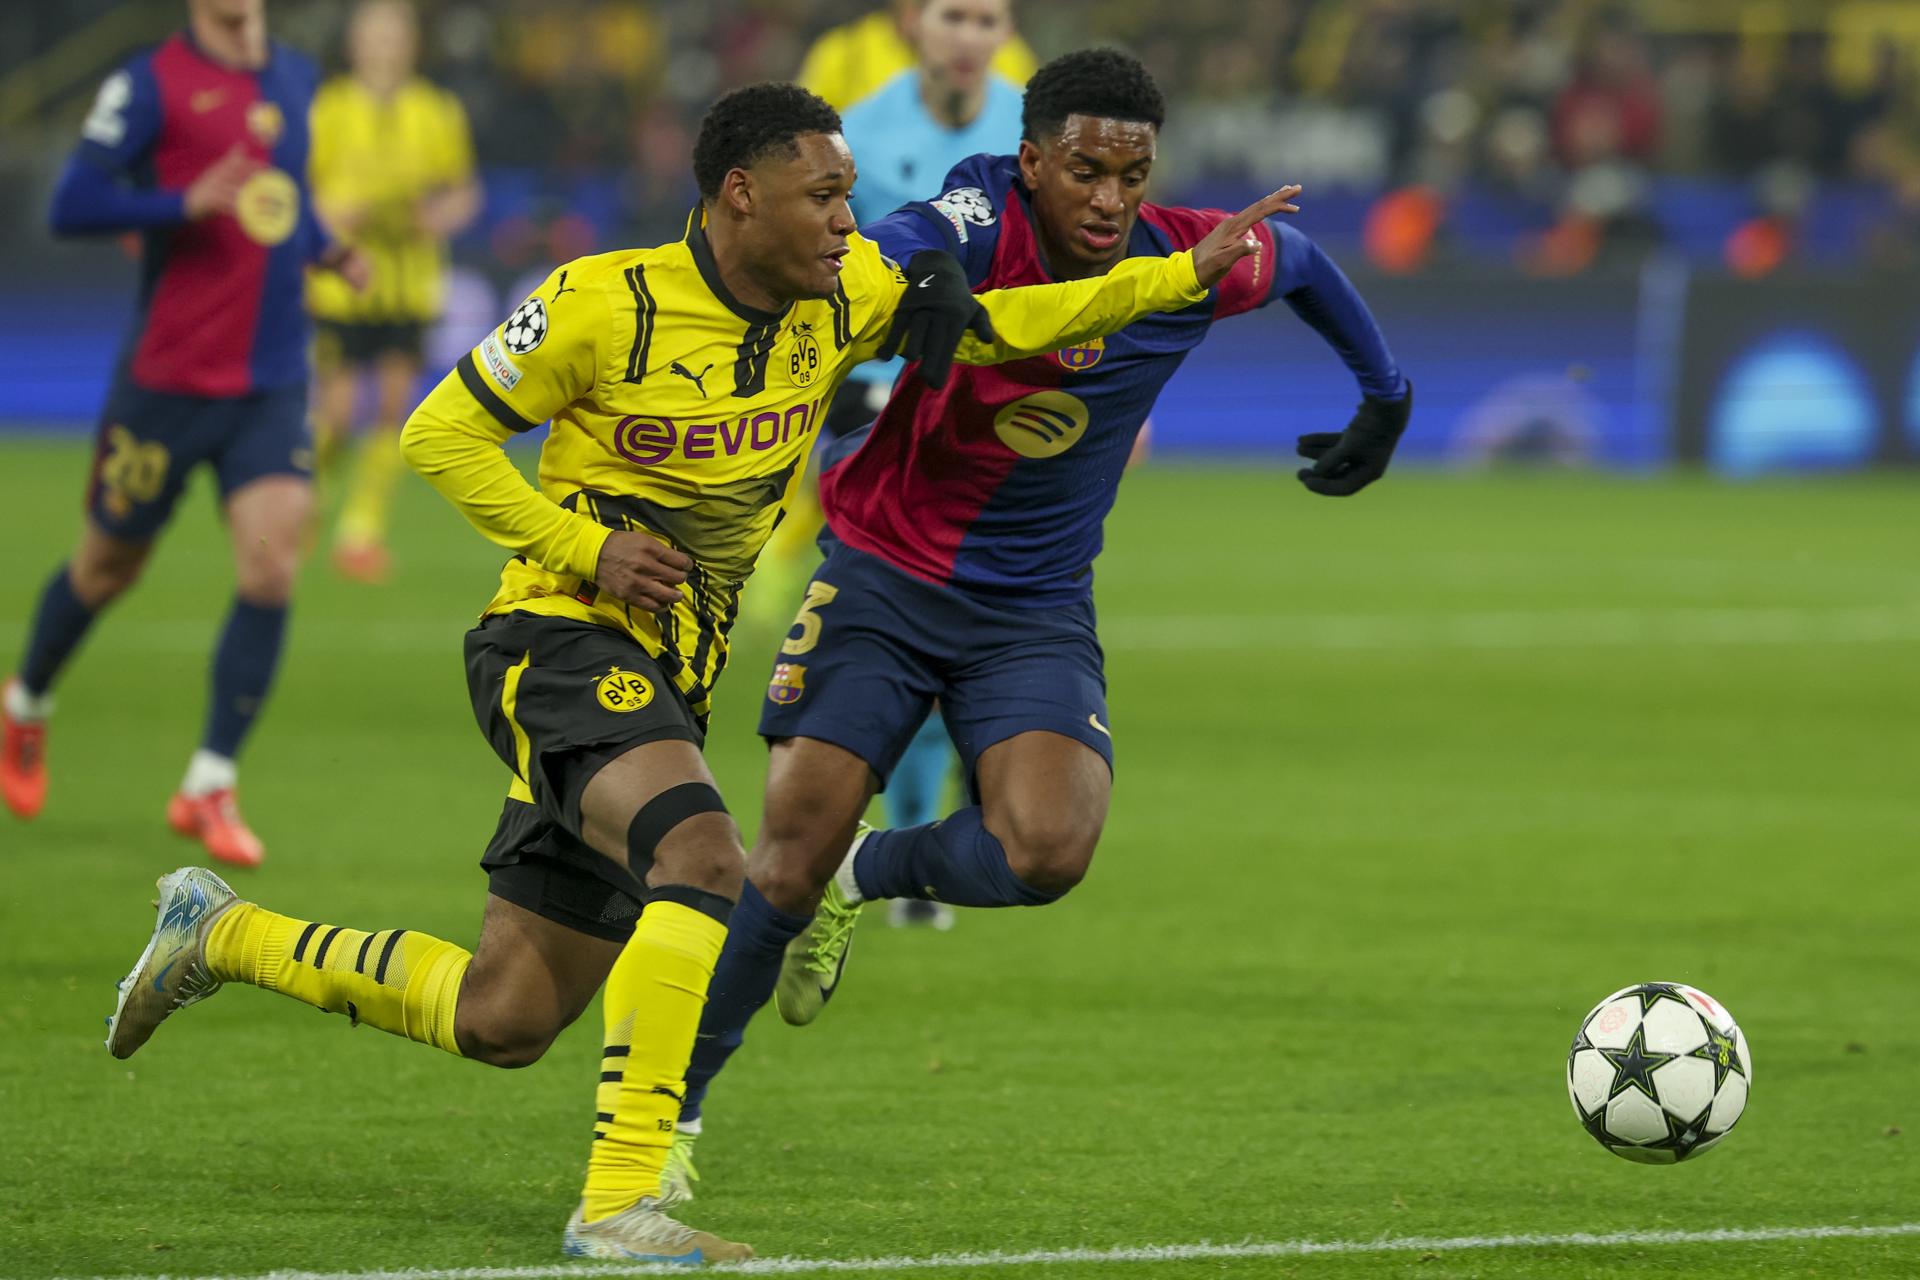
pixel 564 287
pixel 697 379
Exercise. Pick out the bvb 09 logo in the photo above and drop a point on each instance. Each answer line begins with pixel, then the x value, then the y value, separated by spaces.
pixel 623 690
pixel 803 362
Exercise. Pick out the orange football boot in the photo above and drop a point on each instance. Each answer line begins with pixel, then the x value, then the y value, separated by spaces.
pixel 214 820
pixel 23 764
pixel 366 562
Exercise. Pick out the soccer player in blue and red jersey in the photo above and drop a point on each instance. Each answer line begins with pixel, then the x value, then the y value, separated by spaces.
pixel 199 144
pixel 962 530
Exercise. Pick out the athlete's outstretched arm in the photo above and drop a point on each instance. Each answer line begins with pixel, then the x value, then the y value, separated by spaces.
pixel 1344 462
pixel 1037 319
pixel 1320 294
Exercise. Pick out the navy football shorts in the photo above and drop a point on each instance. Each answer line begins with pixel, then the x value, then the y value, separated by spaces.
pixel 150 442
pixel 874 646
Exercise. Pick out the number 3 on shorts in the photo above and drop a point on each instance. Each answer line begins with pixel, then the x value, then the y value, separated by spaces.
pixel 819 596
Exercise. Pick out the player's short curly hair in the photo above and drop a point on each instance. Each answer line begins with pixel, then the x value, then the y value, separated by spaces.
pixel 1105 83
pixel 752 122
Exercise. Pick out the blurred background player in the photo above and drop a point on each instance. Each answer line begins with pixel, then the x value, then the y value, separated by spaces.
pixel 200 144
pixel 962 530
pixel 950 103
pixel 851 62
pixel 392 175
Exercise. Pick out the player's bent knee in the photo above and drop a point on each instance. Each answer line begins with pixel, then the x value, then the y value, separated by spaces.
pixel 790 884
pixel 98 584
pixel 509 1052
pixel 795 855
pixel 685 836
pixel 1050 854
pixel 489 1033
pixel 104 568
pixel 267 577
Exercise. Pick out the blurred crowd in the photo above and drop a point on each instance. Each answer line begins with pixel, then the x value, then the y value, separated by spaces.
pixel 1557 134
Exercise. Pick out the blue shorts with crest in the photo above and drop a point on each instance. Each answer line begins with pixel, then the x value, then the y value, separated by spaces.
pixel 874 646
pixel 150 442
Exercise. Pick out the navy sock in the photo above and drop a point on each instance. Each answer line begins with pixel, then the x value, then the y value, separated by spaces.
pixel 243 667
pixel 59 624
pixel 743 980
pixel 956 861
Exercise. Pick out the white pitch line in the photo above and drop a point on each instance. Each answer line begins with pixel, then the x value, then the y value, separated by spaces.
pixel 1188 633
pixel 1147 1253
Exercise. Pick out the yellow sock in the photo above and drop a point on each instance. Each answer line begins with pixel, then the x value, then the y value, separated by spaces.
pixel 369 503
pixel 397 980
pixel 652 1000
pixel 329 440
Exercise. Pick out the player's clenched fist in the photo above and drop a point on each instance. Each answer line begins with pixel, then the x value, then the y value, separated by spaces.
pixel 937 310
pixel 1345 462
pixel 642 570
pixel 1231 241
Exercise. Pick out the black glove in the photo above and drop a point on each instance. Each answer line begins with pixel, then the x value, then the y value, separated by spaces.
pixel 934 313
pixel 1345 462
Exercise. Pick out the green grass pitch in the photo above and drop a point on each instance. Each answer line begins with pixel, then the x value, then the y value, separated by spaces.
pixel 1406 783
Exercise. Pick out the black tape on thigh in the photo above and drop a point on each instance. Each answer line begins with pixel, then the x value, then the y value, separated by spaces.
pixel 660 815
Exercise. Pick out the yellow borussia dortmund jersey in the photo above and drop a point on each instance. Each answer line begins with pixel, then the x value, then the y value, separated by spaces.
pixel 680 411
pixel 854 59
pixel 382 157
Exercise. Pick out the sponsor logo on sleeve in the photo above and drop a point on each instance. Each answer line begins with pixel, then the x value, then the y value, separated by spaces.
pixel 964 207
pixel 106 123
pixel 504 371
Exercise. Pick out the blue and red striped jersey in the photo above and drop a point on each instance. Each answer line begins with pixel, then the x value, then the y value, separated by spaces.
pixel 1000 483
pixel 220 308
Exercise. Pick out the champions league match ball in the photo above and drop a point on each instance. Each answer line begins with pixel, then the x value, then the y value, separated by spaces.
pixel 1659 1072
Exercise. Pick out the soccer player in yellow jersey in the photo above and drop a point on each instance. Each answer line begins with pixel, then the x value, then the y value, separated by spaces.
pixel 392 173
pixel 685 385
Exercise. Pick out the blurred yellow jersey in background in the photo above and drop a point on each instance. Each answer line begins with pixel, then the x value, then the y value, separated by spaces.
pixel 381 158
pixel 852 60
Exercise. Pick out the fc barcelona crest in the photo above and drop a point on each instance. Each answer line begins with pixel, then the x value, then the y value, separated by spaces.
pixel 1079 358
pixel 789 682
pixel 266 122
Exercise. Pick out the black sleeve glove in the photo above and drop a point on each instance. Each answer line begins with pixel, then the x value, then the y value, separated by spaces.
pixel 1345 462
pixel 934 313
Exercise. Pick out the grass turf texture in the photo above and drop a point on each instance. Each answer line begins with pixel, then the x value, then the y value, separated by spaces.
pixel 1406 784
